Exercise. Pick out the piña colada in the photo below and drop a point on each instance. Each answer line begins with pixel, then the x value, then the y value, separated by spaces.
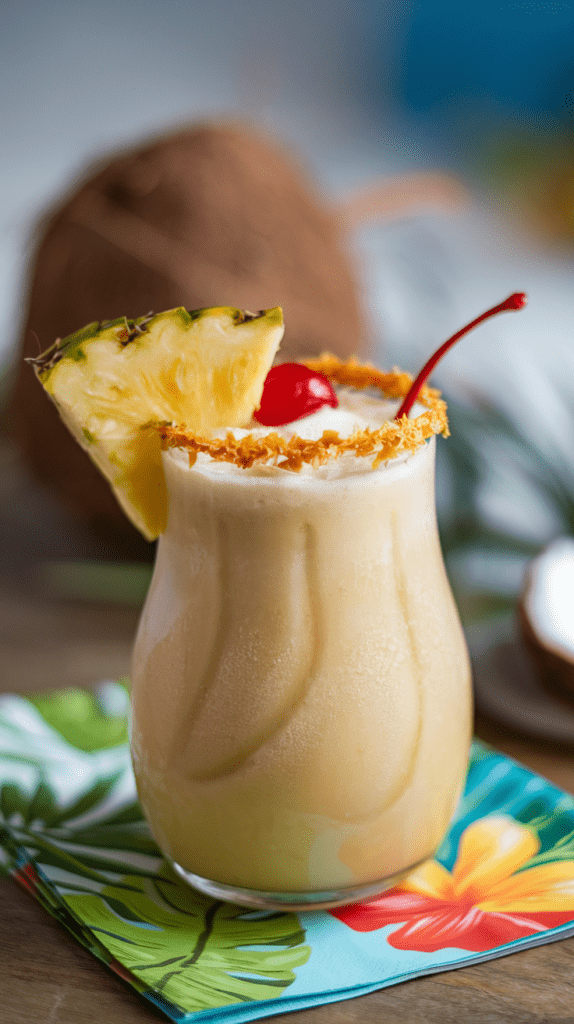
pixel 301 686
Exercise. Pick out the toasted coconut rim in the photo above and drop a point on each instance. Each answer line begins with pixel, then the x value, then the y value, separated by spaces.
pixel 394 438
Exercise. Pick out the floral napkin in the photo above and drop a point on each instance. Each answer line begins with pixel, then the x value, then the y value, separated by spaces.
pixel 71 832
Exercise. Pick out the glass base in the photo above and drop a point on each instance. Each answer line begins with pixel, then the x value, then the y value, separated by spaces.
pixel 319 900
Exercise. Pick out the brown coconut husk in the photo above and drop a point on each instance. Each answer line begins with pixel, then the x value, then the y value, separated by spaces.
pixel 212 215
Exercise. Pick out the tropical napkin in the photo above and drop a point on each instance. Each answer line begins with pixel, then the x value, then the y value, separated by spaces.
pixel 72 834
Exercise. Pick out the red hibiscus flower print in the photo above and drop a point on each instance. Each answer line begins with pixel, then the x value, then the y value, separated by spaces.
pixel 485 902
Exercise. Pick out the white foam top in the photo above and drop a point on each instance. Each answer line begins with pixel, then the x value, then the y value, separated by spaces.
pixel 357 411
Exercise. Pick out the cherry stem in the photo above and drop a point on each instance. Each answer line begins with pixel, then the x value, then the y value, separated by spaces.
pixel 515 301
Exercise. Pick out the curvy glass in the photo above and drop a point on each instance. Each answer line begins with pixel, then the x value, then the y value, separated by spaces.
pixel 301 708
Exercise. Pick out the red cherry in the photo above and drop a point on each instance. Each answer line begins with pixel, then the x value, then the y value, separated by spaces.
pixel 290 392
pixel 515 301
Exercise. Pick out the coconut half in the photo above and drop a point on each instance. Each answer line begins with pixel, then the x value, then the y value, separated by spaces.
pixel 546 613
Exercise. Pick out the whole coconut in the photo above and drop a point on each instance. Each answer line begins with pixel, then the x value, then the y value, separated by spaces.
pixel 212 215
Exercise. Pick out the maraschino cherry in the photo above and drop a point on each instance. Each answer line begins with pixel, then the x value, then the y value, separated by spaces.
pixel 515 301
pixel 290 392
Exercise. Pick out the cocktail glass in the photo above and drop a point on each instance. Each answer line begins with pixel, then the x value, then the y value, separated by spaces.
pixel 301 709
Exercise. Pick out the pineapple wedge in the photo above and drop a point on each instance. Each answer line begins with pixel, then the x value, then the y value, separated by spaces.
pixel 114 382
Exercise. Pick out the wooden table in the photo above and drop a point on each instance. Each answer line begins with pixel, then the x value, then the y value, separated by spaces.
pixel 45 976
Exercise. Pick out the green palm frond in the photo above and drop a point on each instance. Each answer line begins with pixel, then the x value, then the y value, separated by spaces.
pixel 484 443
pixel 466 457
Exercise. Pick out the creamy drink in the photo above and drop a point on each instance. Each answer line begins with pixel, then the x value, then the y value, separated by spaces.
pixel 301 686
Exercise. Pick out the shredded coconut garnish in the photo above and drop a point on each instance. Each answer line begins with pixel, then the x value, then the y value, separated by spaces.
pixel 394 438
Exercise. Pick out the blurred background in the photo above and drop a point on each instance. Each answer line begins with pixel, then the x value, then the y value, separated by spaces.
pixel 440 141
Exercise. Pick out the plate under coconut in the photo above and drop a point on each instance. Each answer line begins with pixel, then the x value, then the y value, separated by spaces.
pixel 509 689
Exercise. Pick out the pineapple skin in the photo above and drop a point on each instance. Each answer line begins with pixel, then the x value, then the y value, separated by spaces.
pixel 114 382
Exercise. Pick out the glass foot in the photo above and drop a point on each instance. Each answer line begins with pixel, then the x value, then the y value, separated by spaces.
pixel 290 900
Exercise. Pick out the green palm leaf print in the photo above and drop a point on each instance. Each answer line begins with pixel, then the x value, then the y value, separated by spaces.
pixel 77 716
pixel 198 952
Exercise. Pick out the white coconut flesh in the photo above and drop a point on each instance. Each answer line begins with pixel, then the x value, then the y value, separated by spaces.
pixel 548 600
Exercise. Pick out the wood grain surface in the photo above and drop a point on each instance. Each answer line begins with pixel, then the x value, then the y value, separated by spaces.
pixel 46 977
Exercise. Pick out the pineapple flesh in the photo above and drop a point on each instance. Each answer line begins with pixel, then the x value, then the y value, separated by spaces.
pixel 115 382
